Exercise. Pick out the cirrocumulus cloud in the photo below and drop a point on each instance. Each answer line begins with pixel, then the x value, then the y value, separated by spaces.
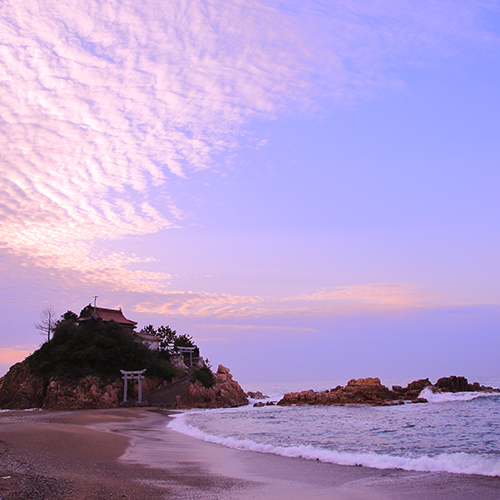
pixel 104 103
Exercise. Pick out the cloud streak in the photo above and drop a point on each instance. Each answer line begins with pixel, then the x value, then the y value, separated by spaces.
pixel 338 301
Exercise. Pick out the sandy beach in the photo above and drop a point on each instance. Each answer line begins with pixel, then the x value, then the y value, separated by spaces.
pixel 129 453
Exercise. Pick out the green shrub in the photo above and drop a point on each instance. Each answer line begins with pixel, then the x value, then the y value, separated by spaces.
pixel 94 347
pixel 165 371
pixel 205 376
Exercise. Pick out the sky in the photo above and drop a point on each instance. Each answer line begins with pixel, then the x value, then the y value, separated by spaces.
pixel 307 188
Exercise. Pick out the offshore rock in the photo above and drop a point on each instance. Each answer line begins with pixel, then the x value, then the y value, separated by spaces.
pixel 369 391
pixel 224 393
pixel 361 391
pixel 260 404
pixel 256 395
pixel 412 390
pixel 460 384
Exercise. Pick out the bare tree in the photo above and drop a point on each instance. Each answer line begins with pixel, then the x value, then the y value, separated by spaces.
pixel 47 321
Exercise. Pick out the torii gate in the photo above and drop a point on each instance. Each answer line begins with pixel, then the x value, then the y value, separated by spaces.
pixel 189 350
pixel 139 375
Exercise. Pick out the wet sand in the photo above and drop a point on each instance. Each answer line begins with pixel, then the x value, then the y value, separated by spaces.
pixel 129 453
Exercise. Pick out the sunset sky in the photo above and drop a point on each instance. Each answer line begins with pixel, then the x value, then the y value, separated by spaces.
pixel 309 188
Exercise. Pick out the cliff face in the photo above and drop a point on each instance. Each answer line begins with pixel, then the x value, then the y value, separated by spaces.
pixel 20 389
pixel 225 393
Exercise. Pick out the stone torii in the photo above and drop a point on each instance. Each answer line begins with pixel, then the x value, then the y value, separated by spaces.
pixel 189 350
pixel 132 375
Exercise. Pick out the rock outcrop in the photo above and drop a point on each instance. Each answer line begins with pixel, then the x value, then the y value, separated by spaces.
pixel 256 395
pixel 369 391
pixel 89 392
pixel 361 391
pixel 224 393
pixel 260 404
pixel 20 389
pixel 459 384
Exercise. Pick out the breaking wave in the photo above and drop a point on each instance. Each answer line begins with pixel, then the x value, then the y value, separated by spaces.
pixel 461 463
pixel 445 397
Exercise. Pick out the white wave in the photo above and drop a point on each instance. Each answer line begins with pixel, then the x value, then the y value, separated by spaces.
pixel 444 397
pixel 459 463
pixel 25 409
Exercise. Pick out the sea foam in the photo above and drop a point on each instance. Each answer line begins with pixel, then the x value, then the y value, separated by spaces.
pixel 461 463
pixel 445 397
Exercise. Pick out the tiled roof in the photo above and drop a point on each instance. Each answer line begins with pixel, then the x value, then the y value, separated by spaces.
pixel 110 315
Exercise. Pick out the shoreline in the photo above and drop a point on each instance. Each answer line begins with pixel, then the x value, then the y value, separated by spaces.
pixel 130 453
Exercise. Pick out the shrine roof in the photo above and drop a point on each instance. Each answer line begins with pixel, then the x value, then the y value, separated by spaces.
pixel 109 315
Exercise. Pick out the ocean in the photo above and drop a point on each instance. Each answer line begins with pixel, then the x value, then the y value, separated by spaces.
pixel 457 433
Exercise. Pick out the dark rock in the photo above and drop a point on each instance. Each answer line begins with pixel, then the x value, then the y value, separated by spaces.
pixel 225 393
pixel 370 391
pixel 360 391
pixel 20 389
pixel 256 395
pixel 418 385
pixel 453 384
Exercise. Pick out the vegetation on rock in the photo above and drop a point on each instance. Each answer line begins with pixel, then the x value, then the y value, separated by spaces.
pixel 224 393
pixel 205 376
pixel 79 367
pixel 95 347
pixel 171 340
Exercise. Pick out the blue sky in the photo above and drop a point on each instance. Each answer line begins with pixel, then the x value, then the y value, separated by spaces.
pixel 268 177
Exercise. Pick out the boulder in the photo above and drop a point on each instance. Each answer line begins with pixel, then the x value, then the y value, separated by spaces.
pixel 224 393
pixel 256 395
pixel 453 384
pixel 412 390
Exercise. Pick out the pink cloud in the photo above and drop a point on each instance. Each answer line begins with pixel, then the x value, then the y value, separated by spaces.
pixel 102 103
pixel 340 301
pixel 11 355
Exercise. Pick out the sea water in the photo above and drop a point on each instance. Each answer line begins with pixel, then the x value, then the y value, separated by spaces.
pixel 457 433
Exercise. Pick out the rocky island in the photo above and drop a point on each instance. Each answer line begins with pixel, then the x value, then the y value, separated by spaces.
pixel 370 391
pixel 79 367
